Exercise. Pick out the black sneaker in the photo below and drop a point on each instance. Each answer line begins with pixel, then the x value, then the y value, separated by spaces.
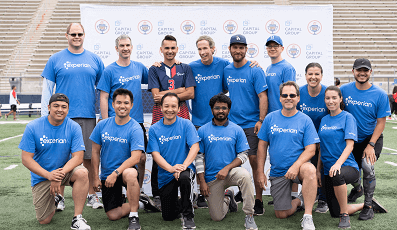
pixel 133 223
pixel 201 203
pixel 367 213
pixel 258 208
pixel 271 203
pixel 188 223
pixel 232 205
pixel 238 198
pixel 149 205
pixel 57 199
pixel 344 221
pixel 354 194
pixel 377 207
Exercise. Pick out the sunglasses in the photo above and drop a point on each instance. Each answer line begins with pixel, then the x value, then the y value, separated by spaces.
pixel 79 35
pixel 290 95
pixel 219 108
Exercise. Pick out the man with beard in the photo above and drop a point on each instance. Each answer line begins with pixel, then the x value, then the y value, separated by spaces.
pixel 370 106
pixel 247 88
pixel 219 171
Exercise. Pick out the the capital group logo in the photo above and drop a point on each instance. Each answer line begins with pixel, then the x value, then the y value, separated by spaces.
pixel 272 26
pixel 314 27
pixel 293 51
pixel 148 176
pixel 252 50
pixel 46 140
pixel 145 27
pixel 230 27
pixel 163 139
pixel 188 27
pixel 102 26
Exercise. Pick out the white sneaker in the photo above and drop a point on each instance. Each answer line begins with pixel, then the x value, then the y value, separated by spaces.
pixel 79 223
pixel 307 223
pixel 61 204
pixel 94 202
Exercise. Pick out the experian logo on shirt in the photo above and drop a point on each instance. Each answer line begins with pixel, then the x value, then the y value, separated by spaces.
pixel 200 78
pixel 325 127
pixel 122 79
pixel 235 80
pixel 276 129
pixel 46 140
pixel 163 139
pixel 349 100
pixel 304 107
pixel 270 74
pixel 107 137
pixel 212 138
pixel 68 65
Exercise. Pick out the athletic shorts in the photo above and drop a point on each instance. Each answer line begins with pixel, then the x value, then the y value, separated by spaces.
pixel 280 190
pixel 43 201
pixel 14 108
pixel 87 126
pixel 253 141
pixel 157 114
pixel 358 149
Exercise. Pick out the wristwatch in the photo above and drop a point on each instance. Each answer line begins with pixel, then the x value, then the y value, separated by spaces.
pixel 372 144
pixel 261 120
pixel 117 172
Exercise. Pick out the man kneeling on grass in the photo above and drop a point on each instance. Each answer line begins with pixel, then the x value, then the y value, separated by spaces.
pixel 46 146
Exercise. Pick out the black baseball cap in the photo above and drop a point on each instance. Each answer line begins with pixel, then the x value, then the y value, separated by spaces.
pixel 59 97
pixel 362 63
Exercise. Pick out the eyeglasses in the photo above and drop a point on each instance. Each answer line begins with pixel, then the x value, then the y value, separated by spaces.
pixel 79 35
pixel 290 95
pixel 219 108
pixel 273 47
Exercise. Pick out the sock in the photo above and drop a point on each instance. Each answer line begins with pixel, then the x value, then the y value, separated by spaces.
pixel 141 205
pixel 295 194
pixel 304 215
pixel 133 214
pixel 141 190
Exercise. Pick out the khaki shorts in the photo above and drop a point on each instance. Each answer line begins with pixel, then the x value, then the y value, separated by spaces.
pixel 43 201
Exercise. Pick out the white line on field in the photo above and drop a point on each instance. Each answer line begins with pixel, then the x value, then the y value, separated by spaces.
pixel 394 150
pixel 391 163
pixel 8 138
pixel 10 167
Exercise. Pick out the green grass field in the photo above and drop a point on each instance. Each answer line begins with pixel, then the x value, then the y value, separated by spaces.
pixel 17 210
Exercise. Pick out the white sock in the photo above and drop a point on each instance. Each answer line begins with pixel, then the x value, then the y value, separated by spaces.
pixel 141 190
pixel 133 214
pixel 295 194
pixel 141 205
pixel 304 215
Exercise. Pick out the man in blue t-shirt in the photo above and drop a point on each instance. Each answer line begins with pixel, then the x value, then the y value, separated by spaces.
pixel 291 138
pixel 126 74
pixel 247 89
pixel 220 171
pixel 47 144
pixel 174 144
pixel 76 72
pixel 278 72
pixel 370 106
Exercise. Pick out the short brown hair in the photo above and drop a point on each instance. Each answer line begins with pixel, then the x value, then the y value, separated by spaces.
pixel 70 25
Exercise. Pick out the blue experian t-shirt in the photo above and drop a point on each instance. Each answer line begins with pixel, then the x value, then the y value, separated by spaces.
pixel 314 107
pixel 170 78
pixel 209 83
pixel 76 76
pixel 117 142
pixel 366 106
pixel 244 85
pixel 173 142
pixel 287 138
pixel 334 132
pixel 276 74
pixel 128 77
pixel 51 145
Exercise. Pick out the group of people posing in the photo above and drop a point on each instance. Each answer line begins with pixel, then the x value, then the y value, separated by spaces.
pixel 316 136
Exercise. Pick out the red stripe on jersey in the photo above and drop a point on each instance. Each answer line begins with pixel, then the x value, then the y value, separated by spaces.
pixel 173 71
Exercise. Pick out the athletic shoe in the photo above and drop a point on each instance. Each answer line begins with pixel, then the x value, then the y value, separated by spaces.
pixel 367 213
pixel 344 221
pixel 271 203
pixel 79 223
pixel 94 202
pixel 150 206
pixel 188 223
pixel 322 207
pixel 232 205
pixel 157 202
pixel 354 194
pixel 238 197
pixel 133 223
pixel 377 207
pixel 59 202
pixel 307 223
pixel 250 223
pixel 201 203
pixel 6 116
pixel 301 207
pixel 258 208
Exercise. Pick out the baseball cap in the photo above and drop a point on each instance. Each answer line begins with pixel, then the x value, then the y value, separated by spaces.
pixel 59 97
pixel 362 63
pixel 238 39
pixel 276 39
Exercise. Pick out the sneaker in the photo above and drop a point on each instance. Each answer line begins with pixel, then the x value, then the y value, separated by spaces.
pixel 258 208
pixel 367 213
pixel 94 202
pixel 157 202
pixel 133 223
pixel 271 203
pixel 78 222
pixel 201 202
pixel 59 202
pixel 6 116
pixel 250 223
pixel 150 206
pixel 377 207
pixel 188 223
pixel 322 207
pixel 232 205
pixel 300 197
pixel 238 197
pixel 344 221
pixel 354 194
pixel 307 223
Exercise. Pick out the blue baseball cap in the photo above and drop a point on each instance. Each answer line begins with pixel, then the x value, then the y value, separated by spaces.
pixel 276 39
pixel 238 39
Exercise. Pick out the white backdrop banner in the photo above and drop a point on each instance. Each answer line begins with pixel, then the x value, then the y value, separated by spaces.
pixel 306 32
